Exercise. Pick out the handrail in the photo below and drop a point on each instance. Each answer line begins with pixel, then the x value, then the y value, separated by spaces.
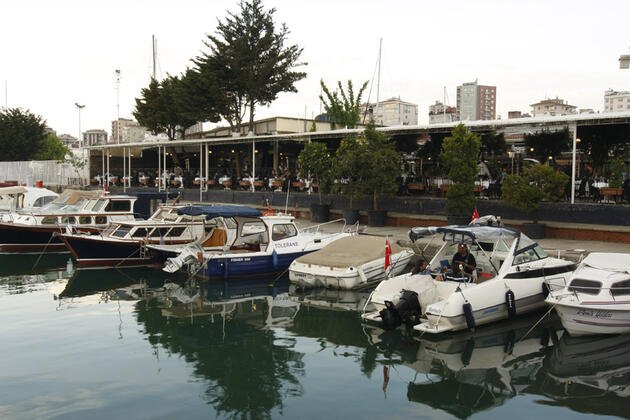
pixel 316 227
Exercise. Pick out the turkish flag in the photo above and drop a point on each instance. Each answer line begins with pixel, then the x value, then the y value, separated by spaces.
pixel 475 215
pixel 388 254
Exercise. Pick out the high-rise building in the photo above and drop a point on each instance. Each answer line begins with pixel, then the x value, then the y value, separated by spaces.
pixel 616 101
pixel 94 137
pixel 440 113
pixel 551 107
pixel 125 126
pixel 476 102
pixel 391 111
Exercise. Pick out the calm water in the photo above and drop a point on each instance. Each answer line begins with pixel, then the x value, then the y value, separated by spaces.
pixel 138 344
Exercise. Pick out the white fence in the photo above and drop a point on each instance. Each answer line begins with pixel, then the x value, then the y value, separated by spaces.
pixel 50 172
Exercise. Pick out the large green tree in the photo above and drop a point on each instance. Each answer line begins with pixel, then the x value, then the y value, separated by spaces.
pixel 21 134
pixel 51 148
pixel 342 105
pixel 548 143
pixel 459 156
pixel 249 56
pixel 159 109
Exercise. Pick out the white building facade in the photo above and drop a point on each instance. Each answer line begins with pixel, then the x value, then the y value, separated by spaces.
pixel 393 111
pixel 616 101
pixel 476 102
pixel 552 107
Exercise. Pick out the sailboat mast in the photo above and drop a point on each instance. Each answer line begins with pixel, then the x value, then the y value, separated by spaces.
pixel 154 45
pixel 378 79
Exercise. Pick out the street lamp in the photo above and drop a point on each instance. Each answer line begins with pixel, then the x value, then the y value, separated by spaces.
pixel 79 108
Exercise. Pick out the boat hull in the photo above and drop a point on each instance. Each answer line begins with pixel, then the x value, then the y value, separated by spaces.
pixel 25 238
pixel 247 265
pixel 96 252
pixel 579 319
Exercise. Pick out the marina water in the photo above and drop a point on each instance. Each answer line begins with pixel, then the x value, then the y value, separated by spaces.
pixel 138 344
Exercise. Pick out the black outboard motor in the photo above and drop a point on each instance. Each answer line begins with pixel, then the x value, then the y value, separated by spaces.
pixel 406 310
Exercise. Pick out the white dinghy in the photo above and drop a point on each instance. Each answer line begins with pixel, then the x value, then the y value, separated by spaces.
pixel 597 298
pixel 509 279
pixel 352 262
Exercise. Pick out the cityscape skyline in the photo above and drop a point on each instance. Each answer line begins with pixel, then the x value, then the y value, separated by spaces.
pixel 547 49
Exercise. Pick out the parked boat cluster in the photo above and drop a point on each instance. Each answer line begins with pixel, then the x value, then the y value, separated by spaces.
pixel 482 273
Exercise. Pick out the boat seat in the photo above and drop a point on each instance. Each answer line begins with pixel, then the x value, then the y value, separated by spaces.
pixel 218 237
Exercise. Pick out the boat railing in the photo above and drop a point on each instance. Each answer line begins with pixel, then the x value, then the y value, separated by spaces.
pixel 575 255
pixel 576 291
pixel 316 228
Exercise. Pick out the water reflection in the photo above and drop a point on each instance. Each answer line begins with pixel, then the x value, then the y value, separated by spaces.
pixel 589 374
pixel 245 344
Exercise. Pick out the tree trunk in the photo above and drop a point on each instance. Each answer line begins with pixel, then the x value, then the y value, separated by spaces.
pixel 252 106
pixel 375 201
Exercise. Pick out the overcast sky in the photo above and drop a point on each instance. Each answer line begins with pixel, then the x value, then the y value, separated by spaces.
pixel 58 52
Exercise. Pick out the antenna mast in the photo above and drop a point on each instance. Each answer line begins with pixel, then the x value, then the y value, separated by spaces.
pixel 378 80
pixel 154 44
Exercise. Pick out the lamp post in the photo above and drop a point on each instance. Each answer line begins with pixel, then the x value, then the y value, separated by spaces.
pixel 79 108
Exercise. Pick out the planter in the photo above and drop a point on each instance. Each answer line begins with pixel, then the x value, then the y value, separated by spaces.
pixel 534 230
pixel 320 212
pixel 377 218
pixel 351 216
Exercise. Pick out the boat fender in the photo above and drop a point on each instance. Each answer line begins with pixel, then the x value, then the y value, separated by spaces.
pixel 390 317
pixel 275 260
pixel 510 302
pixel 508 347
pixel 545 290
pixel 468 314
pixel 468 351
pixel 544 338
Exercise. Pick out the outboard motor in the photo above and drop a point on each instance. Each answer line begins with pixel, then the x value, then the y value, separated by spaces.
pixel 406 310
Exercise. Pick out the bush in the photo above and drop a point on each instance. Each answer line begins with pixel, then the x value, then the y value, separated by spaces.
pixel 536 184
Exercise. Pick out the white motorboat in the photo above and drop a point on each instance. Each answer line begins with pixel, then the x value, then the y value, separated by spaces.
pixel 349 263
pixel 17 198
pixel 597 298
pixel 511 278
pixel 249 247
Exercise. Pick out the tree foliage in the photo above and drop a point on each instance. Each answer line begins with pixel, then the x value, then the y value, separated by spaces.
pixel 21 134
pixel 341 105
pixel 492 144
pixel 380 164
pixel 249 57
pixel 459 157
pixel 160 107
pixel 602 142
pixel 51 148
pixel 314 161
pixel 548 143
pixel 534 185
pixel 350 159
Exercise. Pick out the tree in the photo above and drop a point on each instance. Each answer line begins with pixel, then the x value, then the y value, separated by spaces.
pixel 547 143
pixel 379 164
pixel 534 185
pixel 249 56
pixel 492 144
pixel 52 148
pixel 159 109
pixel 314 160
pixel 459 156
pixel 21 134
pixel 347 167
pixel 342 106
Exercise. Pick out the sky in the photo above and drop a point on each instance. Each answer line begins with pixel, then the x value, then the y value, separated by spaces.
pixel 58 53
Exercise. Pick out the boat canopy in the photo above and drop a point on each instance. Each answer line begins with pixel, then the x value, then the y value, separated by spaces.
pixel 608 261
pixel 219 211
pixel 466 234
pixel 12 190
pixel 71 197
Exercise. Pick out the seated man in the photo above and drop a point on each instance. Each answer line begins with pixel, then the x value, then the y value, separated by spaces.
pixel 464 262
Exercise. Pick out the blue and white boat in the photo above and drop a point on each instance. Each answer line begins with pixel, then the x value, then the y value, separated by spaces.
pixel 242 247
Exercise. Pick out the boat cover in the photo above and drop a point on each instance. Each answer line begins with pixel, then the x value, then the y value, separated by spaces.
pixel 350 251
pixel 70 197
pixel 609 261
pixel 465 233
pixel 219 211
pixel 12 190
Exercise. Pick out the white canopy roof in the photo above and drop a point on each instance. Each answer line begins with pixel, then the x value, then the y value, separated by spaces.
pixel 609 261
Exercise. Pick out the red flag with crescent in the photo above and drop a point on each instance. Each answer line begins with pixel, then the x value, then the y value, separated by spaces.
pixel 475 215
pixel 388 254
